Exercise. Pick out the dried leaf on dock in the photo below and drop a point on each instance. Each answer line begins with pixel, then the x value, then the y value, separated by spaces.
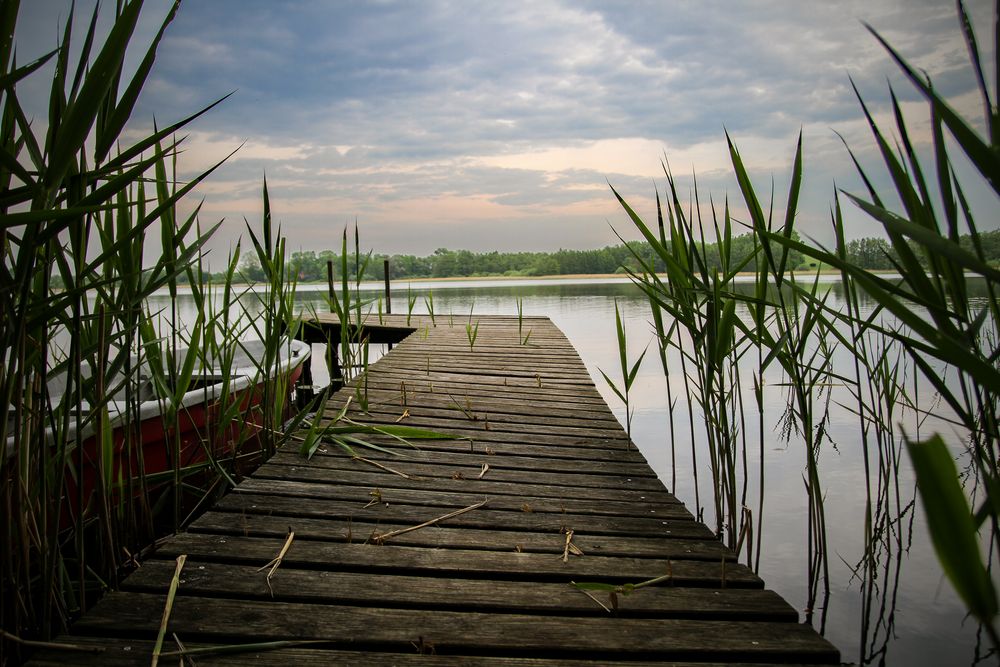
pixel 385 536
pixel 167 607
pixel 384 467
pixel 276 561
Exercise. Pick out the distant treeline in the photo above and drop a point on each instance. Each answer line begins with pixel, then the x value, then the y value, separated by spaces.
pixel 875 253
pixel 869 253
pixel 445 263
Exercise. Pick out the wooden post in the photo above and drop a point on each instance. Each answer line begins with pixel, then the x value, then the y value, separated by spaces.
pixel 329 282
pixel 333 365
pixel 332 358
pixel 304 390
pixel 388 296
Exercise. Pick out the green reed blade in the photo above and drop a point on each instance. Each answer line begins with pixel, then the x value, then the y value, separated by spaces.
pixel 191 357
pixel 950 523
pixel 641 226
pixel 622 343
pixel 9 79
pixel 114 125
pixel 979 152
pixel 930 239
pixel 25 134
pixel 80 117
pixel 8 22
pixel 990 506
pixel 125 157
pixel 793 200
pixel 58 103
pixel 630 379
pixel 399 431
pixel 31 218
pixel 84 56
pixel 914 194
pixel 970 40
pixel 612 385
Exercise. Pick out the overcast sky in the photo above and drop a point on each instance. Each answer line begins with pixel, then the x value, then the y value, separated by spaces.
pixel 499 125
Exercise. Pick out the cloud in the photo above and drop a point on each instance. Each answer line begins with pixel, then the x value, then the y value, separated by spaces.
pixel 500 125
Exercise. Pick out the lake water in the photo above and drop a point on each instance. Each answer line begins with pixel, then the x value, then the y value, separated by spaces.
pixel 929 625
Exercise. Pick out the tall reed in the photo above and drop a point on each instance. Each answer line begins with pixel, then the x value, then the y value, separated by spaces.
pixel 699 301
pixel 629 374
pixel 799 343
pixel 956 344
pixel 347 352
pixel 952 340
pixel 82 351
pixel 924 331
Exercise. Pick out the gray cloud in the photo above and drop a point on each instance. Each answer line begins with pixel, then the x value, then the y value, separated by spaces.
pixel 372 106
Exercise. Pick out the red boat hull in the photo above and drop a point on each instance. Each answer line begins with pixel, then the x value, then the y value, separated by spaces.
pixel 145 456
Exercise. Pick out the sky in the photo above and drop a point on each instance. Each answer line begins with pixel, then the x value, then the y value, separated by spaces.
pixel 503 125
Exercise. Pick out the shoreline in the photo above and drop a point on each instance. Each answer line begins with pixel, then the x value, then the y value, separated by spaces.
pixel 404 282
pixel 555 276
pixel 567 276
pixel 563 276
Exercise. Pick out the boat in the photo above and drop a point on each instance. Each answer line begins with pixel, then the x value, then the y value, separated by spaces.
pixel 148 439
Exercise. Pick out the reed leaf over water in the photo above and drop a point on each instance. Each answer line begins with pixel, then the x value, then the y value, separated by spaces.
pixel 924 331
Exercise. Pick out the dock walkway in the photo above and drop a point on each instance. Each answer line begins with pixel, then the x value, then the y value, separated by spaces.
pixel 554 494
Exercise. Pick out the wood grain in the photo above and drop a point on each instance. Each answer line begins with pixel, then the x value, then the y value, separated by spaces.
pixel 567 499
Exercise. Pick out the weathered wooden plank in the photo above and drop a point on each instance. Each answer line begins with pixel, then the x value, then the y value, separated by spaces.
pixel 456 422
pixel 348 470
pixel 546 356
pixel 499 340
pixel 394 328
pixel 348 485
pixel 396 496
pixel 491 336
pixel 437 352
pixel 379 378
pixel 486 444
pixel 414 321
pixel 486 364
pixel 334 457
pixel 584 387
pixel 607 537
pixel 480 416
pixel 544 564
pixel 117 652
pixel 496 334
pixel 390 396
pixel 441 537
pixel 545 375
pixel 469 479
pixel 495 342
pixel 114 652
pixel 483 431
pixel 208 579
pixel 455 324
pixel 203 619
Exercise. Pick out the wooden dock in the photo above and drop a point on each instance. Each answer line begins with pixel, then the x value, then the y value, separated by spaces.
pixel 557 493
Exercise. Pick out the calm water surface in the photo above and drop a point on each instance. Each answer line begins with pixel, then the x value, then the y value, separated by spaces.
pixel 930 624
